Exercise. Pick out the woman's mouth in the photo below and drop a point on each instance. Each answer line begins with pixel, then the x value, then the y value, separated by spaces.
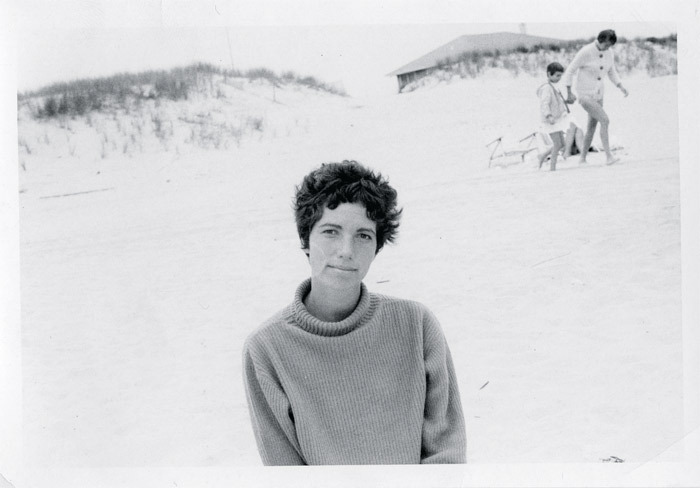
pixel 343 268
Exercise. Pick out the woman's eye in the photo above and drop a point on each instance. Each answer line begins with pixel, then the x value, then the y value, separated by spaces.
pixel 366 237
pixel 330 232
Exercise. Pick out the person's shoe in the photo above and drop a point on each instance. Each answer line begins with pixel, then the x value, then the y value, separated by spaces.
pixel 612 160
pixel 582 161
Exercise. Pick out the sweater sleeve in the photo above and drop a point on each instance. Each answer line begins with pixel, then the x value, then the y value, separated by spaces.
pixel 271 415
pixel 545 102
pixel 612 72
pixel 568 77
pixel 444 439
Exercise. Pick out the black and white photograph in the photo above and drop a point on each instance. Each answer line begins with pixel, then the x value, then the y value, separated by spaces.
pixel 406 243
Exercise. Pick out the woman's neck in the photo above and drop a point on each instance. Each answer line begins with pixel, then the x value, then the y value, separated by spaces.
pixel 331 305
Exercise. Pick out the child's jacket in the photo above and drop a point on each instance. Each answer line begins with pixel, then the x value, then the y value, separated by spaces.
pixel 551 102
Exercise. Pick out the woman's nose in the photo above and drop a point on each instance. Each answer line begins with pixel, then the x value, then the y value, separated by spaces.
pixel 346 247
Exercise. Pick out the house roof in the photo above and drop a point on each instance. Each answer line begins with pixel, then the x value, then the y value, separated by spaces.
pixel 468 43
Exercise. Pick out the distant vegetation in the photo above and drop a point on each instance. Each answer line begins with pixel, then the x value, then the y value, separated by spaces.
pixel 79 97
pixel 130 114
pixel 197 106
pixel 652 55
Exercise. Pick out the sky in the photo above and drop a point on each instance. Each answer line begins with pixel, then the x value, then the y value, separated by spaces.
pixel 354 51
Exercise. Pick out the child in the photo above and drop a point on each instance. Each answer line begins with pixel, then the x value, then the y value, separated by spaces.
pixel 343 375
pixel 554 112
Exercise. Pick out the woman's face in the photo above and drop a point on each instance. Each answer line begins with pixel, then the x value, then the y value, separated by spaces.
pixel 342 246
pixel 605 45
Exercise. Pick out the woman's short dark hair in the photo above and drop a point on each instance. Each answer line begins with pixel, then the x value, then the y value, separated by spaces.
pixel 554 68
pixel 346 182
pixel 608 35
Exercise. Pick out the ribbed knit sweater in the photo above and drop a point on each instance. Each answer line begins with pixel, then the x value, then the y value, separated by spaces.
pixel 378 387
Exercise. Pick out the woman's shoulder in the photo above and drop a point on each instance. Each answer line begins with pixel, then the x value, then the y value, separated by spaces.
pixel 587 49
pixel 389 302
pixel 413 314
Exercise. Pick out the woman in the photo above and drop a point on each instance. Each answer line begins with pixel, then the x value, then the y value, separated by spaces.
pixel 343 375
pixel 591 63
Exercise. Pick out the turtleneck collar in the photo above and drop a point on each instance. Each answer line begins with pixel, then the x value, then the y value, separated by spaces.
pixel 362 313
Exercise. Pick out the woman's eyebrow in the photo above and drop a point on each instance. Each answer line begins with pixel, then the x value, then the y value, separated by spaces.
pixel 338 226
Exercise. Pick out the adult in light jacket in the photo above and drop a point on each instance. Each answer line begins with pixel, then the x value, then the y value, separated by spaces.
pixel 593 63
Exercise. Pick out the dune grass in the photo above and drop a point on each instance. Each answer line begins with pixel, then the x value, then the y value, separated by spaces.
pixel 82 96
pixel 653 55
